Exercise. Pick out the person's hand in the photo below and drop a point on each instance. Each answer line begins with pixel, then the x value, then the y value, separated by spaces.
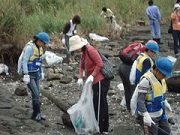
pixel 147 119
pixel 90 79
pixel 167 105
pixel 80 82
pixel 63 41
pixel 26 79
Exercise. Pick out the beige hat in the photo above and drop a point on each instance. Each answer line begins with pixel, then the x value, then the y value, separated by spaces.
pixel 75 43
pixel 176 6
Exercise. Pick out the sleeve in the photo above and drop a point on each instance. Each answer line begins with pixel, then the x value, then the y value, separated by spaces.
pixel 81 68
pixel 110 12
pixel 74 31
pixel 28 52
pixel 148 14
pixel 159 14
pixel 96 58
pixel 173 16
pixel 143 88
pixel 66 28
pixel 146 65
pixel 102 13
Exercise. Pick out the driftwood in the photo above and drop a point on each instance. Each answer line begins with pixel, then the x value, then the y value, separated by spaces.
pixel 173 84
pixel 62 105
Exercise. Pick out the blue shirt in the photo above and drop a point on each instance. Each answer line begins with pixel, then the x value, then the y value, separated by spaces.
pixel 153 13
pixel 28 52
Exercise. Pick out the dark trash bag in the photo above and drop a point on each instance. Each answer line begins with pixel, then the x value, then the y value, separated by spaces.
pixel 173 84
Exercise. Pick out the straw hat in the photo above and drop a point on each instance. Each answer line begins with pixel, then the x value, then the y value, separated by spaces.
pixel 75 43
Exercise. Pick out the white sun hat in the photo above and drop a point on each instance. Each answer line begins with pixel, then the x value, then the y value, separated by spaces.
pixel 176 6
pixel 75 43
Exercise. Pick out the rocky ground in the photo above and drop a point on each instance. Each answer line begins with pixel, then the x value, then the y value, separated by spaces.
pixel 60 81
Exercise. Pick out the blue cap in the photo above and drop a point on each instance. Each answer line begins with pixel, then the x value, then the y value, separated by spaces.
pixel 152 46
pixel 165 66
pixel 43 37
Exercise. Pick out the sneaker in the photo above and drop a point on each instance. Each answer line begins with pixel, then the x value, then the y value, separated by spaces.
pixel 73 63
pixel 176 55
pixel 104 133
pixel 38 117
pixel 43 117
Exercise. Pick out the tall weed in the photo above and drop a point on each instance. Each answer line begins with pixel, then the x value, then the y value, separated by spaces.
pixel 24 18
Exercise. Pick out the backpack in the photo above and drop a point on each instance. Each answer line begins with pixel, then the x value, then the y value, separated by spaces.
pixel 129 53
pixel 107 69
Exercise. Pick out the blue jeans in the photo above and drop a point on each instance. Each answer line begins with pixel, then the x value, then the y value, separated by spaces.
pixel 155 29
pixel 33 85
pixel 68 53
pixel 176 39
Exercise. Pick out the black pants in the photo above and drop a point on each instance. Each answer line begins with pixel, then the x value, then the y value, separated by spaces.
pixel 160 128
pixel 103 113
pixel 124 72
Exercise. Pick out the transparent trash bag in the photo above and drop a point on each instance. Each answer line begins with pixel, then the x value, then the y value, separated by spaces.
pixel 82 113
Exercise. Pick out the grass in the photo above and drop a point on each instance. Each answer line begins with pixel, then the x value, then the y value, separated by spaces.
pixel 21 19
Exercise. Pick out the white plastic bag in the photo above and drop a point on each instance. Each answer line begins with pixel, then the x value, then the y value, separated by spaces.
pixel 82 113
pixel 97 37
pixel 115 26
pixel 172 59
pixel 51 58
pixel 132 75
pixel 123 102
pixel 4 69
pixel 133 103
pixel 120 87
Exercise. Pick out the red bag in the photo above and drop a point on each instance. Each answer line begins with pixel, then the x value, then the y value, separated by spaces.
pixel 129 53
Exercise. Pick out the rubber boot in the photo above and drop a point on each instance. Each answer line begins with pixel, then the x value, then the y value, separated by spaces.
pixel 155 39
pixel 159 41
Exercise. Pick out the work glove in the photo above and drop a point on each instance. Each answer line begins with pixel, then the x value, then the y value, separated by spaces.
pixel 90 79
pixel 42 76
pixel 167 105
pixel 63 41
pixel 147 119
pixel 26 79
pixel 80 82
